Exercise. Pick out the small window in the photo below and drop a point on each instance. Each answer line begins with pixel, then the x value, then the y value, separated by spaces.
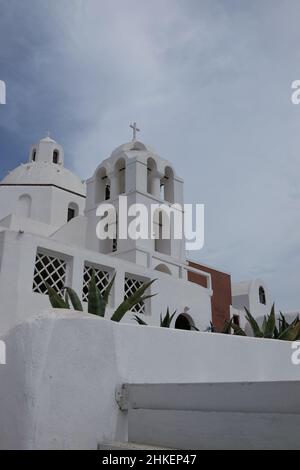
pixel 71 214
pixel 33 155
pixel 73 211
pixel 55 156
pixel 262 295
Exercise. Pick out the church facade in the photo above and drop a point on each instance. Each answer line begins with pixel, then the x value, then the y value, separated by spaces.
pixel 48 222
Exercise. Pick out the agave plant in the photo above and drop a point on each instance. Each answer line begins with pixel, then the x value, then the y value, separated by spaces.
pixel 139 320
pixel 136 298
pixel 97 301
pixel 268 329
pixel 165 322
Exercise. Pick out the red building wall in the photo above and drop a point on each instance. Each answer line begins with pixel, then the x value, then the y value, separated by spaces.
pixel 221 299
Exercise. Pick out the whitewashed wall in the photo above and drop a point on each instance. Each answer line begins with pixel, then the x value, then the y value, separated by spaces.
pixel 18 301
pixel 57 389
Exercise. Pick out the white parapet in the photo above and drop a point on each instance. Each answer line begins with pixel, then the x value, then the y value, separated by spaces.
pixel 57 389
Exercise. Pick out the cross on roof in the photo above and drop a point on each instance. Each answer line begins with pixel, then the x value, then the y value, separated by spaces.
pixel 134 131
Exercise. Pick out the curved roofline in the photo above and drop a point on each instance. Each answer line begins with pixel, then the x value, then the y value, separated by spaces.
pixel 44 174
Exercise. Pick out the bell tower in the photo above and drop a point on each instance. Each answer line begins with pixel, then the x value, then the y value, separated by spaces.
pixel 135 176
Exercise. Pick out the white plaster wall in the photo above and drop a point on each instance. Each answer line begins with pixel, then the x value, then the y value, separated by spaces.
pixel 57 389
pixel 256 307
pixel 41 201
pixel 49 204
pixel 18 301
pixel 248 296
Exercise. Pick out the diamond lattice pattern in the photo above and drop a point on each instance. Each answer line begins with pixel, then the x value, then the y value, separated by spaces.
pixel 51 270
pixel 102 280
pixel 131 286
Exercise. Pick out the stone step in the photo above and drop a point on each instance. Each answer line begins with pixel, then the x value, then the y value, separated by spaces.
pixel 128 446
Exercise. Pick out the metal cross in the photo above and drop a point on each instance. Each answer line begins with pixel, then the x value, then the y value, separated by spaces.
pixel 135 130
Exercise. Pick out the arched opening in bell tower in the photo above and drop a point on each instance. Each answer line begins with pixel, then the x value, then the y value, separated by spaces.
pixel 102 192
pixel 151 176
pixel 120 171
pixel 169 185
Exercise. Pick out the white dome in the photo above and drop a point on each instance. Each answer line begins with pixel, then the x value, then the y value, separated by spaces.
pixel 41 173
pixel 136 145
pixel 48 139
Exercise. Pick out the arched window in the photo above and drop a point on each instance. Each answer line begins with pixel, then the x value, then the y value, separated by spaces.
pixel 151 176
pixel 162 232
pixel 24 206
pixel 73 211
pixel 184 322
pixel 102 192
pixel 33 156
pixel 162 268
pixel 120 169
pixel 262 295
pixel 55 156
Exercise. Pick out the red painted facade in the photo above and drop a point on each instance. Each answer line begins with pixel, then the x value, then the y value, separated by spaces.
pixel 221 299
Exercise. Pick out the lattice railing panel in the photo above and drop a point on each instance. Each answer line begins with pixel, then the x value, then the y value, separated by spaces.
pixel 51 270
pixel 102 279
pixel 130 287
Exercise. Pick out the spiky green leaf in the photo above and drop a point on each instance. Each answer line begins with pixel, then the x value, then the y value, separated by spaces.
pixel 238 331
pixel 271 324
pixel 139 320
pixel 291 333
pixel 227 327
pixel 108 289
pixel 254 325
pixel 165 322
pixel 96 304
pixel 77 305
pixel 67 300
pixel 55 299
pixel 131 301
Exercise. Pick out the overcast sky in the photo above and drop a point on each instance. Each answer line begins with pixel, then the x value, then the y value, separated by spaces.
pixel 209 83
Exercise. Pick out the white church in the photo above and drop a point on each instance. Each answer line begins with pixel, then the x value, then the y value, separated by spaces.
pixel 73 380
pixel 48 234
